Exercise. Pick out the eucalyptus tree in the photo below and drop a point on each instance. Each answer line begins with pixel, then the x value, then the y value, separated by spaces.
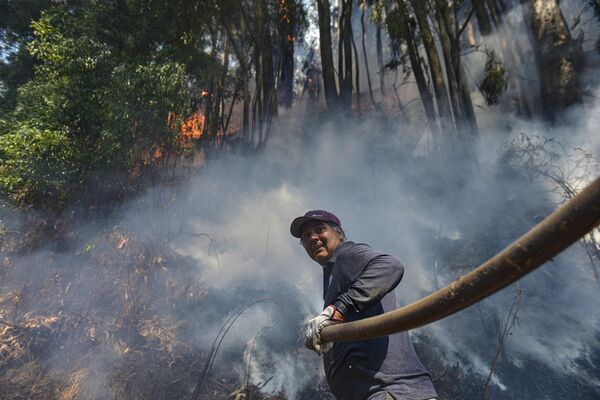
pixel 483 18
pixel 401 28
pixel 291 23
pixel 450 29
pixel 325 47
pixel 421 10
pixel 559 81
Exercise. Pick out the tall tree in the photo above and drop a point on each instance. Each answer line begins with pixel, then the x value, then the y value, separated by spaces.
pixel 435 66
pixel 512 54
pixel 482 17
pixel 345 53
pixel 286 40
pixel 402 30
pixel 363 9
pixel 265 73
pixel 331 93
pixel 559 83
pixel 291 17
pixel 449 32
pixel 234 20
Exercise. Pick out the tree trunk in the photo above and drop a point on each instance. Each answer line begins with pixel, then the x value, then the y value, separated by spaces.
pixel 435 67
pixel 222 83
pixel 417 70
pixel 357 75
pixel 285 88
pixel 246 108
pixel 446 37
pixel 364 49
pixel 495 12
pixel 265 79
pixel 467 112
pixel 345 54
pixel 208 110
pixel 240 47
pixel 482 17
pixel 559 83
pixel 380 62
pixel 331 95
pixel 269 93
pixel 509 49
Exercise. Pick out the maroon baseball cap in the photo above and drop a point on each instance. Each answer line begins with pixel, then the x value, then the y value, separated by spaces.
pixel 313 215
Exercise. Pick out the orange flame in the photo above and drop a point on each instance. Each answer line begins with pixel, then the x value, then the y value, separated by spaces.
pixel 284 11
pixel 193 126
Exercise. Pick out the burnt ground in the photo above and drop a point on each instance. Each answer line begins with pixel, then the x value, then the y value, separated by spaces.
pixel 106 320
pixel 104 314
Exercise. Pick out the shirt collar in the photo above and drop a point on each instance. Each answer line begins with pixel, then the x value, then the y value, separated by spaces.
pixel 340 249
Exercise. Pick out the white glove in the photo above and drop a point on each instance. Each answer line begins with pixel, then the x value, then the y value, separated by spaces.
pixel 312 334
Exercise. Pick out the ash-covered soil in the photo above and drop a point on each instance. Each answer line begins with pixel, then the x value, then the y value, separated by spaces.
pixel 108 319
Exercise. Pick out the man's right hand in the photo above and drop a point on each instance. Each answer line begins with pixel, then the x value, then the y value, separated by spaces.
pixel 312 334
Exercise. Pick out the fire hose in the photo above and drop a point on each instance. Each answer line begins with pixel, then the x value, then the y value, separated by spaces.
pixel 555 233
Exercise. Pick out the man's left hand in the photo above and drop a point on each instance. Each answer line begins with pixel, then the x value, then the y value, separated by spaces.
pixel 312 334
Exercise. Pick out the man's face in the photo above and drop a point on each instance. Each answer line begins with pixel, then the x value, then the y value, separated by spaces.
pixel 320 241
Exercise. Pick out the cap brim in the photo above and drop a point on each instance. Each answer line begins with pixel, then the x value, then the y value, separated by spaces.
pixel 297 225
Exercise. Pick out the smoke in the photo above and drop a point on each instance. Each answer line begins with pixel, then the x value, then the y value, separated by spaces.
pixel 229 227
pixel 413 207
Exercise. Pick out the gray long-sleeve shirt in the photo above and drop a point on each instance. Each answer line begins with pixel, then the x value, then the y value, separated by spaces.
pixel 360 282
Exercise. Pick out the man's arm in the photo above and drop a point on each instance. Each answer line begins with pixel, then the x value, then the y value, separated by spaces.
pixel 381 274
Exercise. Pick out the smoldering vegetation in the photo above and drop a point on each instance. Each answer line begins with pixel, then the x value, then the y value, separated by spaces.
pixel 195 290
pixel 147 302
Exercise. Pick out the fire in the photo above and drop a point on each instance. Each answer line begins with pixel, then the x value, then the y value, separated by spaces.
pixel 193 126
pixel 284 11
pixel 203 93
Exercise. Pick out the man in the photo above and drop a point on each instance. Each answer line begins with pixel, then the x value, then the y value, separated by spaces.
pixel 358 283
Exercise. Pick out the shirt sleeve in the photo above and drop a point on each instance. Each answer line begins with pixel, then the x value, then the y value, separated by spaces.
pixel 380 275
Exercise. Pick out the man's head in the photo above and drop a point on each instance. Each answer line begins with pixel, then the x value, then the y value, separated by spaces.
pixel 320 233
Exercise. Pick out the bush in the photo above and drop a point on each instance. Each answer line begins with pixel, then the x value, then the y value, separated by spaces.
pixel 36 165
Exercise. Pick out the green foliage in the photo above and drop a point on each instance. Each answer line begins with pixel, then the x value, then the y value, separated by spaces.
pixel 396 23
pixel 495 83
pixel 15 71
pixel 378 12
pixel 16 64
pixel 99 101
pixel 16 18
pixel 36 165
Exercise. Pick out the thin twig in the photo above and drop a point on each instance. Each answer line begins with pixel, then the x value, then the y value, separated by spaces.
pixel 511 320
pixel 248 362
pixel 211 242
pixel 460 31
pixel 217 344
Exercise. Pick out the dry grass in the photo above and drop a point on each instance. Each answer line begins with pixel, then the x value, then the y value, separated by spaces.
pixel 110 322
